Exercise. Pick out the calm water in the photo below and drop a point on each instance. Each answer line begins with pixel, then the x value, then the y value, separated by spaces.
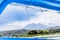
pixel 26 39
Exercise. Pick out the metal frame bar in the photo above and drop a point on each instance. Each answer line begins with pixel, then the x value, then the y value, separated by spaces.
pixel 27 2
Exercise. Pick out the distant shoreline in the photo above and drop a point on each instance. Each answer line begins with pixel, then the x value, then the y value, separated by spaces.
pixel 57 35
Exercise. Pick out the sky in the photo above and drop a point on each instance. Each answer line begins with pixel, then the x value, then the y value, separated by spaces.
pixel 18 16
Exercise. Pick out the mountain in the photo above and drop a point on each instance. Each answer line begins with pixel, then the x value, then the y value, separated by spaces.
pixel 34 26
pixel 54 27
pixel 11 32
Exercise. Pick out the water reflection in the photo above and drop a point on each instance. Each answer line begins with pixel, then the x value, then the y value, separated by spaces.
pixel 27 39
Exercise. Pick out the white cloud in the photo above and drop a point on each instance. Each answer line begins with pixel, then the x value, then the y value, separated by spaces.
pixel 42 16
pixel 12 26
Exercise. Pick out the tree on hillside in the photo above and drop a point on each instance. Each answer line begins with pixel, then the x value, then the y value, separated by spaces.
pixel 32 32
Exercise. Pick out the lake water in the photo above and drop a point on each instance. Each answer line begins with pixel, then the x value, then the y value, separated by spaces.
pixel 28 38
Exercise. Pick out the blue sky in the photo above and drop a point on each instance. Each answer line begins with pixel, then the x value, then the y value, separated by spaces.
pixel 19 15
